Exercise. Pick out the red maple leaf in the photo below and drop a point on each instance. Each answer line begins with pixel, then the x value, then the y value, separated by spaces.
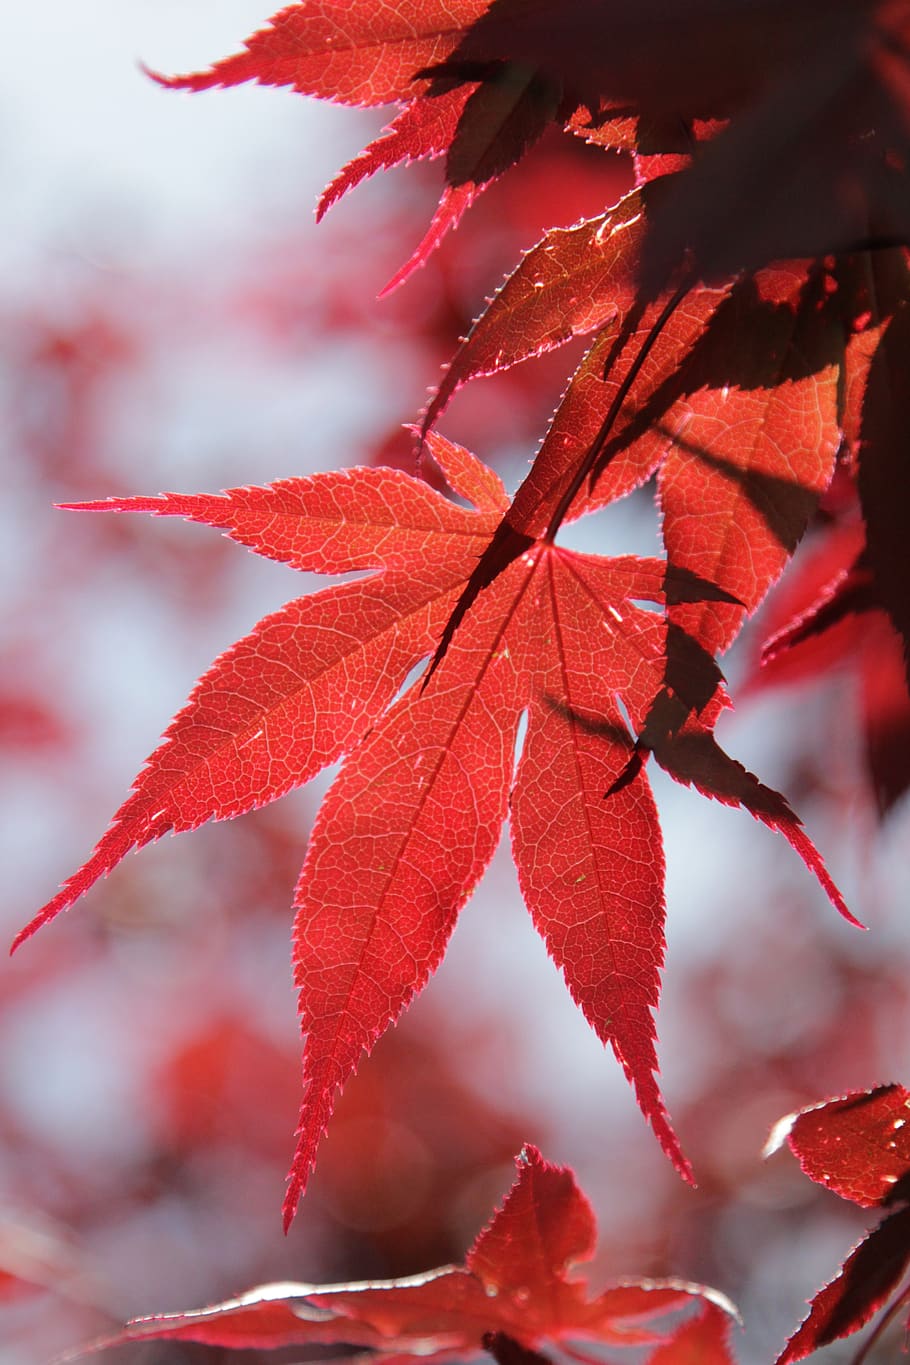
pixel 414 816
pixel 859 1147
pixel 512 1296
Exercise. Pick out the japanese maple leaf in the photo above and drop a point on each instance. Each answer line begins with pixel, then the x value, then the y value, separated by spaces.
pixel 513 1296
pixel 414 816
pixel 859 1147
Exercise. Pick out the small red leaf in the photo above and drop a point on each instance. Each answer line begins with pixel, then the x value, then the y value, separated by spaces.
pixel 544 1226
pixel 858 1146
pixel 467 476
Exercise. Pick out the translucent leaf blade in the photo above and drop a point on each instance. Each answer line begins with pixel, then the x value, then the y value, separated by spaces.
pixel 591 866
pixel 364 518
pixel 399 844
pixel 271 712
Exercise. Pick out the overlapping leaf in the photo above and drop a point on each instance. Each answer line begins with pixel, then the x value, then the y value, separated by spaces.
pixel 512 1296
pixel 414 816
pixel 858 1146
pixel 730 393
pixel 373 55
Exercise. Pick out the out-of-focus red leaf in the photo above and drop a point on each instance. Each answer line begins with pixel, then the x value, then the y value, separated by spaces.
pixel 849 592
pixel 513 1287
pixel 885 711
pixel 226 1080
pixel 872 1271
pixel 33 1257
pixel 29 724
pixel 858 1146
pixel 830 614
